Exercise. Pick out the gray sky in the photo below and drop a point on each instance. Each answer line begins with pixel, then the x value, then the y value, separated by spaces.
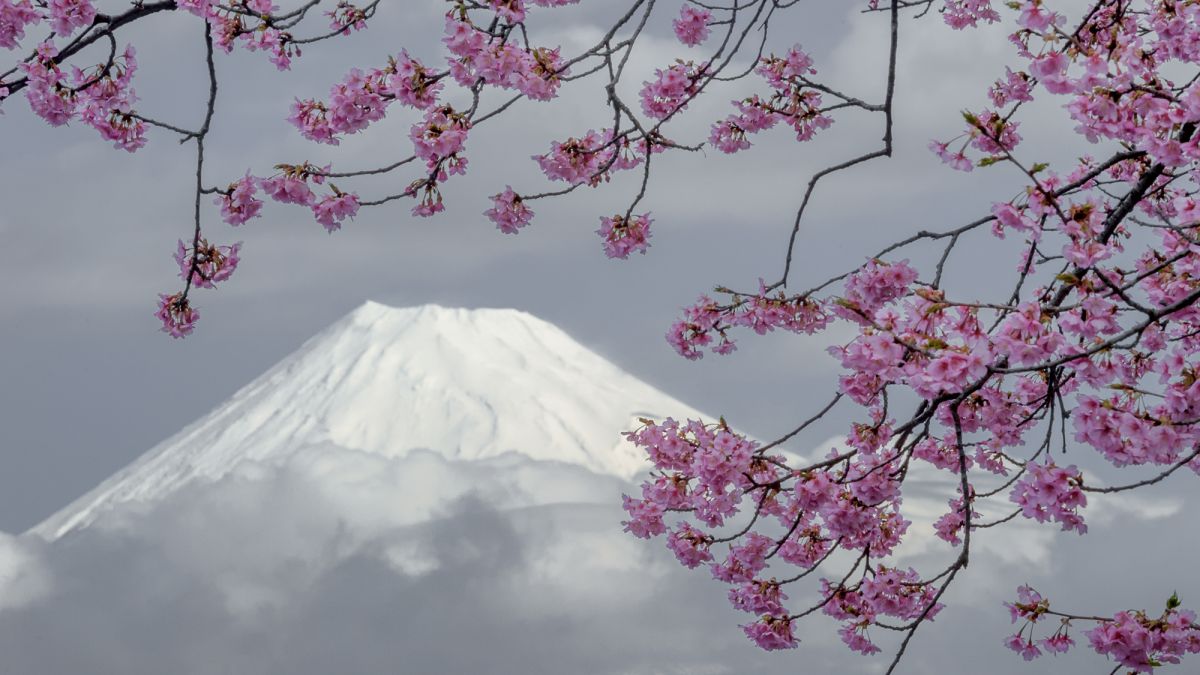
pixel 92 383
pixel 89 383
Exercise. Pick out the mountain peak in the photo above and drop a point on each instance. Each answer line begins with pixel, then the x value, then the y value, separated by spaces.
pixel 468 384
pixel 372 310
pixel 385 322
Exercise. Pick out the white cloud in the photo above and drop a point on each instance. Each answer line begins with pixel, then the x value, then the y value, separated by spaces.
pixel 22 578
pixel 343 561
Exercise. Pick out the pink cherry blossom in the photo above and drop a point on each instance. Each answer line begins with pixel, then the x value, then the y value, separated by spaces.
pixel 206 265
pixel 691 27
pixel 671 89
pixel 68 15
pixel 509 212
pixel 772 633
pixel 1049 492
pixel 15 17
pixel 624 236
pixel 238 204
pixel 177 315
pixel 332 209
pixel 960 14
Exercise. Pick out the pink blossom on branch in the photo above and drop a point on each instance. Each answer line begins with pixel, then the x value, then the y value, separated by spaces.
pixel 239 204
pixel 1140 643
pixel 691 27
pixel 289 187
pixel 176 314
pixel 66 16
pixel 440 139
pixel 346 18
pixel 207 265
pixel 509 212
pixel 590 159
pixel 1134 639
pixel 772 633
pixel 15 17
pixel 671 89
pixel 623 236
pixel 969 13
pixel 332 209
pixel 411 83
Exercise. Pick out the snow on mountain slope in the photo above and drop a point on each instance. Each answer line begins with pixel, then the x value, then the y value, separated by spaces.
pixel 466 384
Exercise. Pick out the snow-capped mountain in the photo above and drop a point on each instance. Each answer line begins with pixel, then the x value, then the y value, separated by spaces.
pixel 468 385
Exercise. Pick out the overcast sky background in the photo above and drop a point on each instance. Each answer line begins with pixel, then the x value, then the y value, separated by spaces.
pixel 90 232
pixel 89 384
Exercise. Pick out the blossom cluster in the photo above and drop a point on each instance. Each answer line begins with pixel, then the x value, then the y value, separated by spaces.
pixel 671 89
pixel 1141 643
pixel 362 97
pixel 474 56
pixel 238 202
pixel 707 324
pixel 176 314
pixel 202 265
pixel 793 100
pixel 623 236
pixel 714 475
pixel 15 17
pixel 292 185
pixel 253 25
pixel 1099 337
pixel 691 27
pixel 509 212
pixel 1132 638
pixel 1049 492
pixel 205 265
pixel 102 97
pixel 592 158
